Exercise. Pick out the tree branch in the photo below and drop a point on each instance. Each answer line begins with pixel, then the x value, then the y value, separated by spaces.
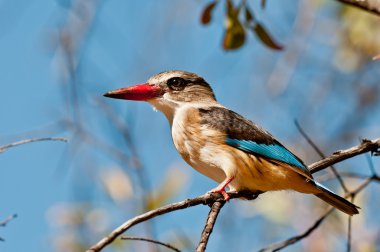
pixel 211 219
pixel 205 199
pixel 372 6
pixel 150 240
pixel 372 146
pixel 5 147
pixel 3 223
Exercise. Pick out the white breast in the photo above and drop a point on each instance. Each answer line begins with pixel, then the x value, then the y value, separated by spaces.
pixel 193 143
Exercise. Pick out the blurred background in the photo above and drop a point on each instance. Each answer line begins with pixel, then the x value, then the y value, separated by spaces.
pixel 272 61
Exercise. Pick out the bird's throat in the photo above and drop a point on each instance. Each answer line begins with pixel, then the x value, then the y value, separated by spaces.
pixel 167 107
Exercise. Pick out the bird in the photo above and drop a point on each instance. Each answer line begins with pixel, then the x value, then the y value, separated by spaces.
pixel 223 145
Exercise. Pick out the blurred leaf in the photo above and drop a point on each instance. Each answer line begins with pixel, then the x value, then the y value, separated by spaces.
pixel 68 242
pixel 275 207
pixel 97 220
pixel 206 15
pixel 117 184
pixel 362 31
pixel 346 59
pixel 234 36
pixel 173 182
pixel 376 57
pixel 359 39
pixel 66 215
pixel 265 37
pixel 76 224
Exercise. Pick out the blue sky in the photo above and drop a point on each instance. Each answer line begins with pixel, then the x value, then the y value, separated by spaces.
pixel 128 42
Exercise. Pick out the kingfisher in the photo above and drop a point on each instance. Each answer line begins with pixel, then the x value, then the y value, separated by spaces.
pixel 223 145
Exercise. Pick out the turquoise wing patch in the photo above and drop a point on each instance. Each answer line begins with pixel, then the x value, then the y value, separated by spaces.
pixel 273 151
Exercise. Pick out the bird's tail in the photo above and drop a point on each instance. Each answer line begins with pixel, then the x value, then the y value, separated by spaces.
pixel 336 201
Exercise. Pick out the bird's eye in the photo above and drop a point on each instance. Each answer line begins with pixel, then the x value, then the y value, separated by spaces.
pixel 176 83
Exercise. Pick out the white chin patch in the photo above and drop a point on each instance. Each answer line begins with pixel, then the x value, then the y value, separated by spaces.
pixel 154 109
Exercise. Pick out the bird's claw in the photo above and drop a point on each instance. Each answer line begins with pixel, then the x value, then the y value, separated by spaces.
pixel 222 192
pixel 221 188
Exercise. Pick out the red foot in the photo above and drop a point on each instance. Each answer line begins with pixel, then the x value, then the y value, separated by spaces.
pixel 221 188
pixel 223 192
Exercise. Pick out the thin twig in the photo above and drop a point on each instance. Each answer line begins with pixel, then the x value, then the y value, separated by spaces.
pixel 320 153
pixel 280 245
pixel 372 146
pixel 211 219
pixel 367 5
pixel 5 147
pixel 6 221
pixel 370 165
pixel 361 187
pixel 133 238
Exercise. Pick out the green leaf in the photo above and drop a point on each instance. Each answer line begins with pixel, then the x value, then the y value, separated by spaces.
pixel 265 37
pixel 234 36
pixel 206 15
pixel 232 12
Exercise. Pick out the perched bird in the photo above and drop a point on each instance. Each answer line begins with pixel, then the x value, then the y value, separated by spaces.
pixel 222 144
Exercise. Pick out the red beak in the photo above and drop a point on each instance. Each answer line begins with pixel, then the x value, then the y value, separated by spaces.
pixel 140 92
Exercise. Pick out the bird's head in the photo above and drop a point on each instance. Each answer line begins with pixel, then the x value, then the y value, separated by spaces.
pixel 168 90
